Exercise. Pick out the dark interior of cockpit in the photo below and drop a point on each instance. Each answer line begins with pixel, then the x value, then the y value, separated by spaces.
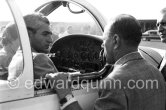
pixel 77 52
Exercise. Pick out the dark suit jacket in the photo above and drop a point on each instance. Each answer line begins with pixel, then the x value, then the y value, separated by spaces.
pixel 134 84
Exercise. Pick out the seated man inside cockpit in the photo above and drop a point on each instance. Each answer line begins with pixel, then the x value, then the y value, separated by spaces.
pixel 40 37
pixel 10 43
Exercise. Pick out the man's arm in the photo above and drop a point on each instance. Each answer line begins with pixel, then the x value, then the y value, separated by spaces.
pixel 42 65
pixel 67 100
pixel 109 98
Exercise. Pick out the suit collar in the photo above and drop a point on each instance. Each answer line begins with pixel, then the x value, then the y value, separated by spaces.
pixel 128 57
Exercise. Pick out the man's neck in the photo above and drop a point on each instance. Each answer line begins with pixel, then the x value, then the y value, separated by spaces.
pixel 124 52
pixel 33 50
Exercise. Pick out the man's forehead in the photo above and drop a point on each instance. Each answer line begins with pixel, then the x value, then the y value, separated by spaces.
pixel 45 27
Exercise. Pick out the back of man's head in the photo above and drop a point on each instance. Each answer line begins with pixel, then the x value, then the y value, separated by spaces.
pixel 10 35
pixel 128 28
pixel 33 21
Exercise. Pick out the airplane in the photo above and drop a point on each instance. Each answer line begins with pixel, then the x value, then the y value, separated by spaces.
pixel 78 53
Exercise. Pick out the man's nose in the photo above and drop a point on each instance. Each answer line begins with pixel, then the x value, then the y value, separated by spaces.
pixel 50 40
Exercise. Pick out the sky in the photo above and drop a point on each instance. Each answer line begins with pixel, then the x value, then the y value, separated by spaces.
pixel 141 9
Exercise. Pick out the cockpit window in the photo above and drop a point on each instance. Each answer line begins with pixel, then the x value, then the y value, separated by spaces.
pixel 66 18
pixel 73 20
pixel 9 42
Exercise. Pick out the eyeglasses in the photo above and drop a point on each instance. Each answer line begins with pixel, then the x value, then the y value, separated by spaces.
pixel 163 24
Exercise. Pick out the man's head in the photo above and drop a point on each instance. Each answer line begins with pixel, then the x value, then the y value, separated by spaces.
pixel 39 32
pixel 161 25
pixel 10 38
pixel 121 36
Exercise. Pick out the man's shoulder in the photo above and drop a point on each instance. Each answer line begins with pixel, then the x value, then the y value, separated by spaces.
pixel 40 57
pixel 136 68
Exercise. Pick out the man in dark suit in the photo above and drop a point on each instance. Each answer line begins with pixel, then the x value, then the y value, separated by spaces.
pixel 141 86
pixel 161 25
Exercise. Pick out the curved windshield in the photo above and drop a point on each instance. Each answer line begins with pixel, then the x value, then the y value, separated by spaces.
pixel 67 19
pixel 65 23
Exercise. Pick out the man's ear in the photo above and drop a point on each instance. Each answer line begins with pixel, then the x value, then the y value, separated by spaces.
pixel 116 40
